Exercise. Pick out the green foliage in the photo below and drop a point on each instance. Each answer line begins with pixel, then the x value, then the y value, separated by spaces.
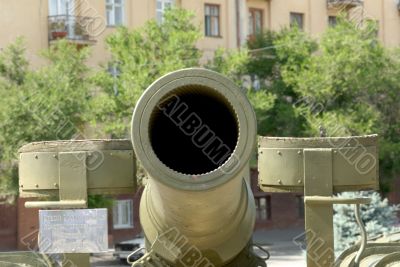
pixel 379 218
pixel 141 56
pixel 263 61
pixel 13 64
pixel 276 115
pixel 231 63
pixel 46 104
pixel 348 83
pixel 99 201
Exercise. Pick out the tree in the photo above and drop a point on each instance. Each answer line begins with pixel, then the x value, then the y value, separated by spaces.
pixel 47 104
pixel 379 218
pixel 347 83
pixel 139 57
pixel 276 114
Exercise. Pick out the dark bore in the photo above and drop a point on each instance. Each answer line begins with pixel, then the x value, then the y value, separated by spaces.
pixel 194 130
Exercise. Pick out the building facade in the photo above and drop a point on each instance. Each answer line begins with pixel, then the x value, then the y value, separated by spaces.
pixel 225 23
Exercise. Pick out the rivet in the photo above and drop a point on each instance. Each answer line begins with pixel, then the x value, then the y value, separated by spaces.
pixel 55 185
pixel 261 152
pixel 299 181
pixel 348 144
pixel 279 181
pixel 89 154
pixel 36 156
pixel 36 185
pixel 335 151
pixel 279 153
pixel 55 156
pixel 299 152
pixel 21 185
pixel 111 154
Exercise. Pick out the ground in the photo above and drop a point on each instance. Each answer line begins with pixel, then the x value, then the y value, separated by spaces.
pixel 284 251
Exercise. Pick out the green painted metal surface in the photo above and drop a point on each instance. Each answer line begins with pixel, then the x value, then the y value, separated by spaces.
pixel 205 214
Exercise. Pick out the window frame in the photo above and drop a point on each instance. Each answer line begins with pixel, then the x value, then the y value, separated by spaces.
pixel 259 210
pixel 162 9
pixel 252 11
pixel 219 34
pixel 58 6
pixel 332 21
pixel 300 15
pixel 112 22
pixel 119 205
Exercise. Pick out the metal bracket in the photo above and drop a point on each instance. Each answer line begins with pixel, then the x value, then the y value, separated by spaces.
pixel 318 218
pixel 72 183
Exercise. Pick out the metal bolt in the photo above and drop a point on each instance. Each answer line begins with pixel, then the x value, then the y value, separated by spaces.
pixel 299 181
pixel 55 185
pixel 21 185
pixel 279 153
pixel 279 181
pixel 299 152
pixel 36 185
pixel 55 156
pixel 36 156
pixel 261 152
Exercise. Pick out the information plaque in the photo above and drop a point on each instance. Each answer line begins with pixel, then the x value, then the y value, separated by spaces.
pixel 73 231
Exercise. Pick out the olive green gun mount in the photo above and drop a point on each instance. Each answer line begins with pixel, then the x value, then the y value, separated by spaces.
pixel 320 167
pixel 67 172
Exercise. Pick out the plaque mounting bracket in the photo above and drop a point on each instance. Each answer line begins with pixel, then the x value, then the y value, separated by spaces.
pixel 72 183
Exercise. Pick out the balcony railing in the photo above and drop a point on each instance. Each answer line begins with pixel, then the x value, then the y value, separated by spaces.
pixel 73 28
pixel 344 3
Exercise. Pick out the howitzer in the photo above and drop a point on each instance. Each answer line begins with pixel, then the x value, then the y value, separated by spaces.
pixel 194 131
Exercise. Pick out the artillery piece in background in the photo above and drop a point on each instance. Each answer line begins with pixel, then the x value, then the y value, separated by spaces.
pixel 194 130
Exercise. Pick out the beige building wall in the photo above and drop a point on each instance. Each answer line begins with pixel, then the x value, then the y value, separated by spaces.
pixel 28 18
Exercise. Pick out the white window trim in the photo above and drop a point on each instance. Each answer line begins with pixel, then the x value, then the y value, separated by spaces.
pixel 119 206
pixel 61 7
pixel 219 28
pixel 163 7
pixel 112 3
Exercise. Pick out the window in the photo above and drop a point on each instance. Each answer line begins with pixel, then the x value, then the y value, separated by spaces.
pixel 263 208
pixel 211 20
pixel 59 7
pixel 162 5
pixel 255 21
pixel 332 21
pixel 297 19
pixel 122 214
pixel 114 12
pixel 300 206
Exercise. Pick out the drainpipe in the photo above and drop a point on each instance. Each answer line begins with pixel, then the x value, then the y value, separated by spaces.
pixel 237 23
pixel 383 22
pixel 309 17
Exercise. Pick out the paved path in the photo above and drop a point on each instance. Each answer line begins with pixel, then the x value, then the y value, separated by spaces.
pixel 284 252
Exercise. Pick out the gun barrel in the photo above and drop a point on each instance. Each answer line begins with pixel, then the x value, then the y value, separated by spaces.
pixel 194 131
